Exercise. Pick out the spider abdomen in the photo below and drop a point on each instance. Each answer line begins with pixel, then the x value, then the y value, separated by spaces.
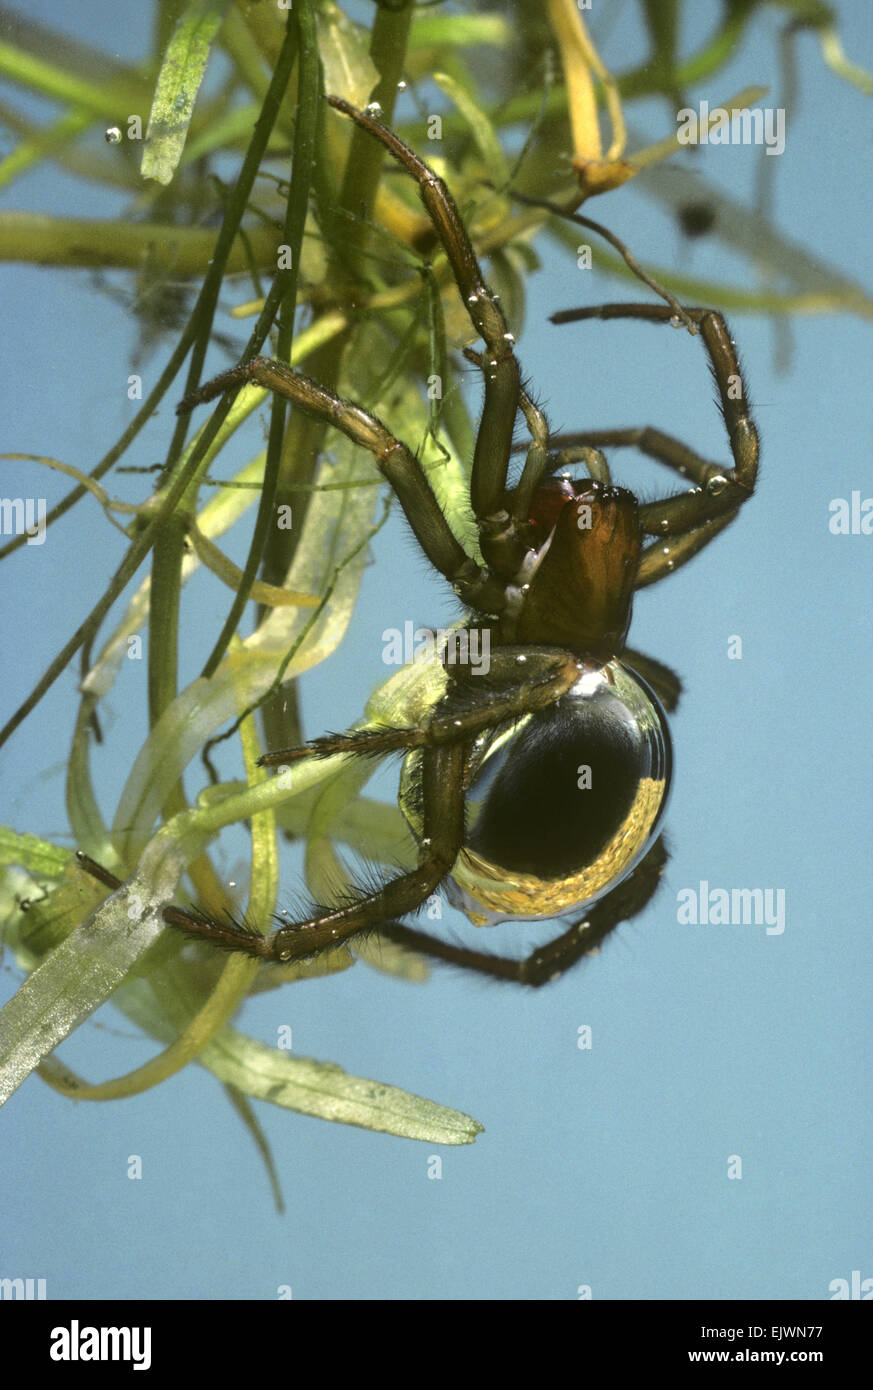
pixel 562 806
pixel 559 795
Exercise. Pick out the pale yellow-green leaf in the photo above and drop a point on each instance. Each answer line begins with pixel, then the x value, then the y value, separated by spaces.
pixel 349 70
pixel 84 970
pixel 325 1090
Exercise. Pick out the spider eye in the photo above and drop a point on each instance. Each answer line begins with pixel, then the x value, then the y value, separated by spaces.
pixel 564 804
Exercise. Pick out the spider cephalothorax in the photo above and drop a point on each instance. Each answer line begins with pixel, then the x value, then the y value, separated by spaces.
pixel 587 553
pixel 535 789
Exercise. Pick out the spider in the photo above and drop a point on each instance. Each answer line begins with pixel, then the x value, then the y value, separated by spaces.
pixel 534 791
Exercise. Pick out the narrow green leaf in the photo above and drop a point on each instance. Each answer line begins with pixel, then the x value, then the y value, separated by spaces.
pixel 246 1112
pixel 81 974
pixel 178 84
pixel 326 1091
pixel 36 855
pixel 460 30
pixel 482 130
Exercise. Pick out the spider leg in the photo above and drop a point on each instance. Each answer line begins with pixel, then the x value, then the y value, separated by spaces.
pixel 396 463
pixel 536 464
pixel 594 461
pixel 665 448
pixel 470 705
pixel 718 492
pixel 502 547
pixel 663 680
pixel 443 833
pixel 539 968
pixel 658 560
pixel 550 961
pixel 464 710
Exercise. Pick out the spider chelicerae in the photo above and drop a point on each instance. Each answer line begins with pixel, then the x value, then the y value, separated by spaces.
pixel 535 789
